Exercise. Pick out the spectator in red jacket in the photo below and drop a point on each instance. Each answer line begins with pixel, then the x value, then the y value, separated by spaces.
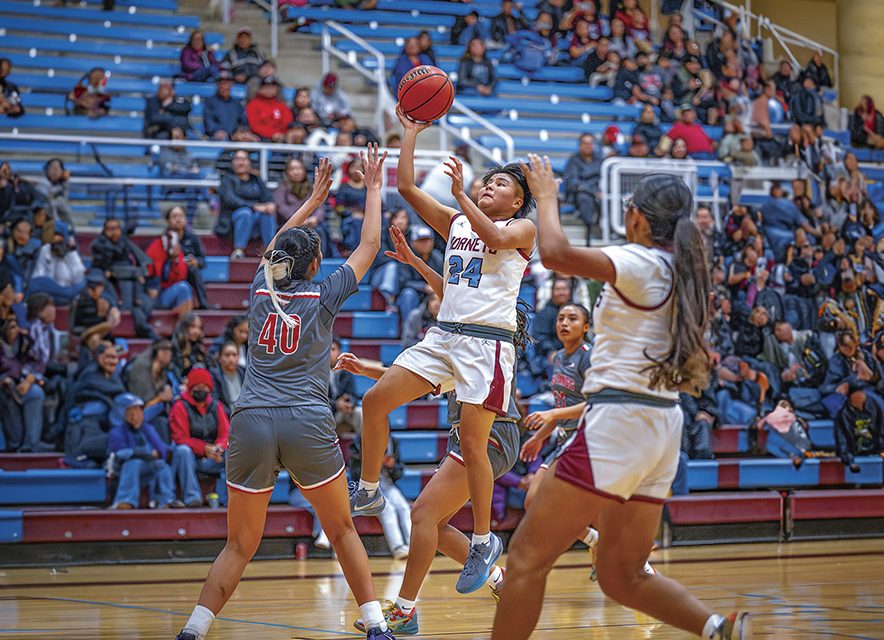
pixel 168 273
pixel 268 116
pixel 693 134
pixel 199 427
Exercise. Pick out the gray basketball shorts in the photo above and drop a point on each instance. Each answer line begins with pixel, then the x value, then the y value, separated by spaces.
pixel 300 439
pixel 503 446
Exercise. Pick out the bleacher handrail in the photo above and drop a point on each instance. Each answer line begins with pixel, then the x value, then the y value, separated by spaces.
pixel 385 102
pixel 265 149
pixel 782 34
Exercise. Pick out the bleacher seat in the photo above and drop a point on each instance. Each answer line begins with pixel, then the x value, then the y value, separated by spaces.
pixel 120 17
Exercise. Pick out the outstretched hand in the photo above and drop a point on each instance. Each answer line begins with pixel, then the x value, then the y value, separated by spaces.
pixel 373 165
pixel 402 252
pixel 455 172
pixel 409 124
pixel 322 180
pixel 531 448
pixel 348 362
pixel 541 178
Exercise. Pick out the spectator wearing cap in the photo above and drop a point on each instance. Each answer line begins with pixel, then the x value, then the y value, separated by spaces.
pixel 244 58
pixel 59 270
pixel 21 391
pixel 10 96
pixel 92 315
pixel 582 175
pixel 198 63
pixel 200 428
pixel 165 111
pixel 168 274
pixel 329 101
pixel 222 114
pixel 266 70
pixel 413 289
pixel 693 134
pixel 141 455
pixel 268 116
pixel 247 206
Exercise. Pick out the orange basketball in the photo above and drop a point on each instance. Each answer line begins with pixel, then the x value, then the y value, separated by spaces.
pixel 426 93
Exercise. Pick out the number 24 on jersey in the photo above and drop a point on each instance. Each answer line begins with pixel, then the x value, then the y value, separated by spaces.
pixel 285 339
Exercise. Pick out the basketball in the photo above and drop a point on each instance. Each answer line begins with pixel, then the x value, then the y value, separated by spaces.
pixel 426 93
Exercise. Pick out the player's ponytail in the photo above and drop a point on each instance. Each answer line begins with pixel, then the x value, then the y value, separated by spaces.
pixel 667 203
pixel 295 250
pixel 522 338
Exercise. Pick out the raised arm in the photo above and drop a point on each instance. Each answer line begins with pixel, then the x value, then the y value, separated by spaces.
pixel 370 240
pixel 405 255
pixel 321 184
pixel 556 252
pixel 433 212
pixel 517 235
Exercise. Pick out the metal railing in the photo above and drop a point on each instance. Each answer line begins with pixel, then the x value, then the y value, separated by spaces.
pixel 265 150
pixel 386 102
pixel 782 35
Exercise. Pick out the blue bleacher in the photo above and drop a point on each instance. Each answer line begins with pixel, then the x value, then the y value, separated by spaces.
pixel 83 65
pixel 545 107
pixel 119 32
pixel 53 486
pixel 106 124
pixel 88 47
pixel 97 15
pixel 155 5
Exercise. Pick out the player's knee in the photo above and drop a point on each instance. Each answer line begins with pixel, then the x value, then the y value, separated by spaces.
pixel 337 530
pixel 617 581
pixel 375 403
pixel 474 449
pixel 424 515
pixel 243 546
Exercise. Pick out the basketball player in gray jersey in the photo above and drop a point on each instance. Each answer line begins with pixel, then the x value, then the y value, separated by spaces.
pixel 282 418
pixel 448 489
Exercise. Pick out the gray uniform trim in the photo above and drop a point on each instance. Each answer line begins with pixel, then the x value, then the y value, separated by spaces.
pixel 476 331
pixel 503 446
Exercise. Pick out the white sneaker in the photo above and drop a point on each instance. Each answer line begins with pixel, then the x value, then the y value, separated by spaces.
pixel 237 254
pixel 322 541
pixel 400 553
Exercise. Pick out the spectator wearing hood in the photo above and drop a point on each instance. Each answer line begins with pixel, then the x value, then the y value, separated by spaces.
pixel 59 271
pixel 329 101
pixel 200 428
pixel 141 455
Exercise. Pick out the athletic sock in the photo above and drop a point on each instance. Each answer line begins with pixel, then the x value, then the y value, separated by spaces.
pixel 371 488
pixel 495 578
pixel 710 629
pixel 405 604
pixel 485 538
pixel 372 616
pixel 200 621
pixel 591 537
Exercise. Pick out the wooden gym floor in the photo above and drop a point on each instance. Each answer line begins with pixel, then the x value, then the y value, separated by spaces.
pixel 806 591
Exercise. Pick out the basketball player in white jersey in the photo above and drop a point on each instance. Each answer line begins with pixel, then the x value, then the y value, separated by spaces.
pixel 649 325
pixel 489 244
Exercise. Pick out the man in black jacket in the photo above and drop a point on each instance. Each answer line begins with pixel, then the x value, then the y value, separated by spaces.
pixel 858 429
pixel 246 206
pixel 507 22
pixel 165 111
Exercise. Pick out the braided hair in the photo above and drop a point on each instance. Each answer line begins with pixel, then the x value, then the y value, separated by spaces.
pixel 522 338
pixel 667 203
pixel 295 249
